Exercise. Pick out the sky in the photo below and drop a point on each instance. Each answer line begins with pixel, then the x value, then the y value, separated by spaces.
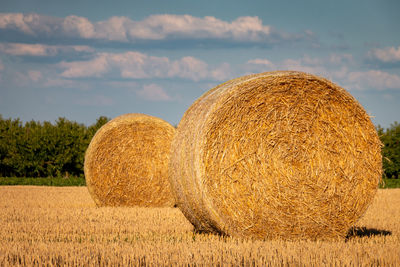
pixel 90 58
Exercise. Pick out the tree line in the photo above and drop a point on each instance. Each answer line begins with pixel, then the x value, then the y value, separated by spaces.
pixel 43 149
pixel 390 137
pixel 36 149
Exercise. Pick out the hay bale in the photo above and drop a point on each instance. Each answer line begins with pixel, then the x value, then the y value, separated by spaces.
pixel 126 163
pixel 275 155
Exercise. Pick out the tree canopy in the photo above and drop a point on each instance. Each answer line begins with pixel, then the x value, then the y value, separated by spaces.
pixel 36 149
pixel 390 138
pixel 44 149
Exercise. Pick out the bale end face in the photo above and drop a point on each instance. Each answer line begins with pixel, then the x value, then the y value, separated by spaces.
pixel 276 155
pixel 126 163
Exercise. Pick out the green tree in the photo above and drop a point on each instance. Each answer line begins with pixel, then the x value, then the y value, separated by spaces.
pixel 43 149
pixel 390 138
pixel 11 135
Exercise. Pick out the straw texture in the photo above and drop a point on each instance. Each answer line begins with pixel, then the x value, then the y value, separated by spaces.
pixel 126 163
pixel 275 155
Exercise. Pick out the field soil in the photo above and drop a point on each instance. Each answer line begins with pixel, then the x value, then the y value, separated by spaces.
pixel 62 226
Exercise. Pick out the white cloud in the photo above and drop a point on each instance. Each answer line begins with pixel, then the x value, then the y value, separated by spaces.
pixel 153 92
pixel 189 68
pixel 260 61
pixel 340 59
pixel 258 65
pixel 340 73
pixel 78 26
pixel 336 67
pixel 113 29
pixel 157 27
pixel 20 49
pixel 306 64
pixel 385 55
pixel 334 63
pixel 80 48
pixel 32 24
pixel 307 60
pixel 136 65
pixel 302 65
pixel 374 79
pixel 222 72
pixel 15 21
pixel 28 78
pixel 93 68
pixel 250 30
pixel 26 49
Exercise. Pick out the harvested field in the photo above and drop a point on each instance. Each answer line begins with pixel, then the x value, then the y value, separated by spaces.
pixel 63 226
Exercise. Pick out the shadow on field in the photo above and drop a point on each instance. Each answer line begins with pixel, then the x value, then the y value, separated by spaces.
pixel 366 232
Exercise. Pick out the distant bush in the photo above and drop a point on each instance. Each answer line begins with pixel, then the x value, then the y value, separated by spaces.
pixel 390 183
pixel 36 149
pixel 390 138
pixel 44 149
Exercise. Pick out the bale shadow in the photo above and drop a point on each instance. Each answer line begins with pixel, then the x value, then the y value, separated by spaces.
pixel 354 232
pixel 365 232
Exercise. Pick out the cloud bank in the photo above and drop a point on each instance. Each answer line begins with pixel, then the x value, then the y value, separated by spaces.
pixel 136 65
pixel 41 50
pixel 336 67
pixel 387 55
pixel 154 30
pixel 153 92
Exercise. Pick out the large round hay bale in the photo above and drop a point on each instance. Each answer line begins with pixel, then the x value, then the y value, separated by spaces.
pixel 126 163
pixel 275 155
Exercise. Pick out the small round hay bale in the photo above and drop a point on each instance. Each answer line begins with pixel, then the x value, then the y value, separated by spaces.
pixel 275 155
pixel 126 163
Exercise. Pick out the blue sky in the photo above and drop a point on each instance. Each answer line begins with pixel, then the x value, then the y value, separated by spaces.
pixel 84 59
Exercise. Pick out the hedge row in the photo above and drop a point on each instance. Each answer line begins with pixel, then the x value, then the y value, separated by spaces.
pixel 390 138
pixel 37 149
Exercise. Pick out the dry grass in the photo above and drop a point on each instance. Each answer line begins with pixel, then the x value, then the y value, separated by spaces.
pixel 276 155
pixel 62 226
pixel 126 163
